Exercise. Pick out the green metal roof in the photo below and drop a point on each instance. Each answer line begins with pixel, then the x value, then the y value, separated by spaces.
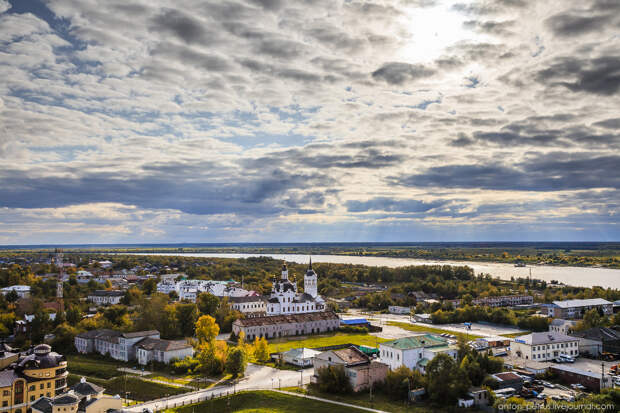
pixel 423 362
pixel 422 340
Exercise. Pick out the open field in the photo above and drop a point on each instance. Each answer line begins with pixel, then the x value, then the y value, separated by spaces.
pixel 379 402
pixel 263 401
pixel 421 328
pixel 137 389
pixel 92 367
pixel 513 335
pixel 284 344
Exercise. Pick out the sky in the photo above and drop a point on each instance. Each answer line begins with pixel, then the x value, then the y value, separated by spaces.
pixel 309 121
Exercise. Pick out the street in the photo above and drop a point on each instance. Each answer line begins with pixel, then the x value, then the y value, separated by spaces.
pixel 256 378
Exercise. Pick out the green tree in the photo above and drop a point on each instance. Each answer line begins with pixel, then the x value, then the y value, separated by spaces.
pixel 333 379
pixel 74 315
pixel 446 382
pixel 207 303
pixel 187 314
pixel 399 381
pixel 12 296
pixel 149 286
pixel 236 362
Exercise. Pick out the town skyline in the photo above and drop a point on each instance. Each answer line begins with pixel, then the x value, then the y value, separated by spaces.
pixel 277 121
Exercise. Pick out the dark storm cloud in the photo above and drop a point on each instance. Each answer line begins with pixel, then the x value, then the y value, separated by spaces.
pixel 552 172
pixel 183 26
pixel 543 131
pixel 609 123
pixel 392 205
pixel 462 140
pixel 599 76
pixel 569 24
pixel 161 187
pixel 397 73
pixel 369 158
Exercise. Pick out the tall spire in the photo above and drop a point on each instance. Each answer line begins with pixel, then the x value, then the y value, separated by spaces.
pixel 310 266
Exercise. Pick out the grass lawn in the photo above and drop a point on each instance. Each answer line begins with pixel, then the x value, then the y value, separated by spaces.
pixel 513 335
pixel 139 389
pixel 424 328
pixel 263 402
pixel 380 402
pixel 287 343
pixel 92 367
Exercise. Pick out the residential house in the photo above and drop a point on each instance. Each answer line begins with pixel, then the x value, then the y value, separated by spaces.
pixel 118 345
pixel 162 351
pixel 415 352
pixel 106 297
pixel 508 379
pixel 571 309
pixel 559 325
pixel 544 346
pixel 362 371
pixel 83 397
pixel 300 357
pixel 22 291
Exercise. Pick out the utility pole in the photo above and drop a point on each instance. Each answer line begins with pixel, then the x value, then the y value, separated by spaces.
pixel 602 375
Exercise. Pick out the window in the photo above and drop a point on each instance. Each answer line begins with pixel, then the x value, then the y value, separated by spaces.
pixel 31 388
pixel 31 398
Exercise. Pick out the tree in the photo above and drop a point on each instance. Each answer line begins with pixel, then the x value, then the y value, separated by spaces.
pixel 187 314
pixel 12 296
pixel 261 349
pixel 149 286
pixel 446 381
pixel 173 295
pixel 463 348
pixel 63 336
pixel 207 303
pixel 399 381
pixel 73 315
pixel 206 329
pixel 591 319
pixel 236 362
pixel 133 296
pixel 473 370
pixel 333 379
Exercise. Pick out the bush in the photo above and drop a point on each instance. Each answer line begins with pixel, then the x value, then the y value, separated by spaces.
pixel 354 329
pixel 333 379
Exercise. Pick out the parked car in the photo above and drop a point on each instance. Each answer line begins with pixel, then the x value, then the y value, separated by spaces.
pixel 547 384
pixel 568 397
pixel 541 396
pixel 558 360
pixel 567 359
pixel 578 386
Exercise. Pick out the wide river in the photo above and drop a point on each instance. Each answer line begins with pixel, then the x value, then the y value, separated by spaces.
pixel 577 276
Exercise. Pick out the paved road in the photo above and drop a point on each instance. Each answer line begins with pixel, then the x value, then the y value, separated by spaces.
pixel 257 378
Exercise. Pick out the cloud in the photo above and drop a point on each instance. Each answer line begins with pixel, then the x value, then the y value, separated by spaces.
pixel 393 205
pixel 600 76
pixel 574 25
pixel 397 73
pixel 553 172
pixel 322 120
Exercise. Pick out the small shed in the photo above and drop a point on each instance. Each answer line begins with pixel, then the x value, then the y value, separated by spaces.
pixel 300 357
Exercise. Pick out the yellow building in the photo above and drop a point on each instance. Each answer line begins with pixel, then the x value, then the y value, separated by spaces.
pixel 28 378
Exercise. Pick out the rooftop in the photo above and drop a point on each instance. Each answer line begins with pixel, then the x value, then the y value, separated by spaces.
pixel 422 340
pixel 286 319
pixel 581 303
pixel 545 337
pixel 163 345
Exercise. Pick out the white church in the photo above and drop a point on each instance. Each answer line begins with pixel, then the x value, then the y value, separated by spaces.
pixel 284 298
